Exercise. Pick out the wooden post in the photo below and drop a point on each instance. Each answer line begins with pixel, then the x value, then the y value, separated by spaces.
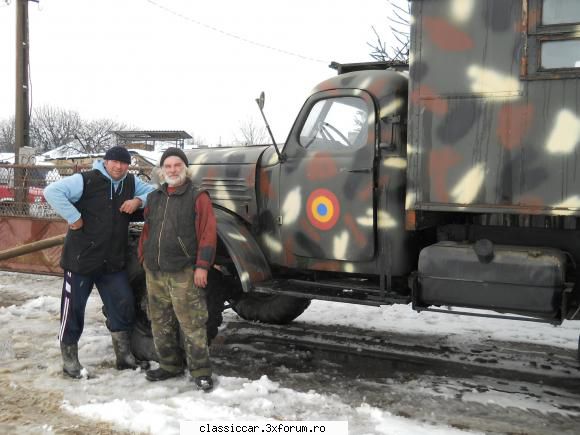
pixel 32 247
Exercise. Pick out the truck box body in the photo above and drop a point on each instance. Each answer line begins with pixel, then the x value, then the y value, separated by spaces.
pixel 493 125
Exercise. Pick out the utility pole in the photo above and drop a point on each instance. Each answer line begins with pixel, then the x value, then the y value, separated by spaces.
pixel 22 116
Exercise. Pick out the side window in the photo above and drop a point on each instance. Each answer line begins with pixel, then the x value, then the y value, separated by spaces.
pixel 336 124
pixel 561 54
pixel 560 12
pixel 554 40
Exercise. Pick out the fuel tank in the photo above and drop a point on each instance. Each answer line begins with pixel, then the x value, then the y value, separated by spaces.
pixel 514 279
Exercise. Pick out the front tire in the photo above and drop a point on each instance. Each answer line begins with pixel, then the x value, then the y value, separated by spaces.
pixel 276 309
pixel 216 295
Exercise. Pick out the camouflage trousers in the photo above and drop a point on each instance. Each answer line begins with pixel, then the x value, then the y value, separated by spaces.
pixel 175 303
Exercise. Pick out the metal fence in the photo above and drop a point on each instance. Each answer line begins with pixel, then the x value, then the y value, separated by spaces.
pixel 22 187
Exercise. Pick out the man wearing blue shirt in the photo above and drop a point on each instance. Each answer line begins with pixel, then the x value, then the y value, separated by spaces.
pixel 97 205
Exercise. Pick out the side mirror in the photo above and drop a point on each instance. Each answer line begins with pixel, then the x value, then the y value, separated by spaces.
pixel 260 100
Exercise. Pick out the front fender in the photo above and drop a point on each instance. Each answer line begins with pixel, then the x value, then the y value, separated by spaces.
pixel 250 262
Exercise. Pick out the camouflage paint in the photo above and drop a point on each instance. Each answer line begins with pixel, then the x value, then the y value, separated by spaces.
pixel 229 175
pixel 328 180
pixel 244 251
pixel 360 192
pixel 488 131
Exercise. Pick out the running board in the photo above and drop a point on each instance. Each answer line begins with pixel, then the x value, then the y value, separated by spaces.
pixel 331 291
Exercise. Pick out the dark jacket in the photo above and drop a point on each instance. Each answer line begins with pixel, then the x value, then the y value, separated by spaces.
pixel 101 244
pixel 171 245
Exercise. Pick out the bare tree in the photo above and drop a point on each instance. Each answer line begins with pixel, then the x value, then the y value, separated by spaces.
pixel 196 140
pixel 7 135
pixel 51 127
pixel 251 133
pixel 95 136
pixel 399 23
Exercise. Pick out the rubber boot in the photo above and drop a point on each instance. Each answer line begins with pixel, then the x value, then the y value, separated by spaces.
pixel 204 383
pixel 122 348
pixel 71 366
pixel 161 375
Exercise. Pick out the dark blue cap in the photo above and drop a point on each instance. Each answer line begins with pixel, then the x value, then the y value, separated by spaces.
pixel 118 153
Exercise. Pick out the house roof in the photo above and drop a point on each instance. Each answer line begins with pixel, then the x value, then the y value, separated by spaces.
pixel 7 158
pixel 66 153
pixel 152 134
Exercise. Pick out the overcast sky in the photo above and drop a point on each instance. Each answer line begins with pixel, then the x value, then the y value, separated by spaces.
pixel 138 63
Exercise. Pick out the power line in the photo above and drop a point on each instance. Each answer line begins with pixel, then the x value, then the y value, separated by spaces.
pixel 233 35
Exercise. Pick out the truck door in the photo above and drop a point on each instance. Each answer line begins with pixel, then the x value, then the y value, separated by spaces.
pixel 327 180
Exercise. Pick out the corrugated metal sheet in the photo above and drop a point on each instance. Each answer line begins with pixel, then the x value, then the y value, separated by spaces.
pixel 17 231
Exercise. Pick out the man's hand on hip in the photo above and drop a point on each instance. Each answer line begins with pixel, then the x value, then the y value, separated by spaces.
pixel 77 225
pixel 200 277
pixel 130 205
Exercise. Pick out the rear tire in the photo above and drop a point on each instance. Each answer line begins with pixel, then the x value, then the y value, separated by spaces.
pixel 276 309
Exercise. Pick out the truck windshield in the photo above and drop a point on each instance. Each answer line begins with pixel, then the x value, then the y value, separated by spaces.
pixel 336 124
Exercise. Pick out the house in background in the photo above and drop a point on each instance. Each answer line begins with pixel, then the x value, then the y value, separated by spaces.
pixel 7 158
pixel 149 140
pixel 65 156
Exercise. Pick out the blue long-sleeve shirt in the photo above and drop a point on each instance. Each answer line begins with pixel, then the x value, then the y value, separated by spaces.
pixel 62 194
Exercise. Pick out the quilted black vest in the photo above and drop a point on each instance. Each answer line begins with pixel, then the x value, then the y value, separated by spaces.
pixel 101 244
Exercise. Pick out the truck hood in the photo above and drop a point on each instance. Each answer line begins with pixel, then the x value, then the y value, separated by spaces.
pixel 229 176
pixel 225 155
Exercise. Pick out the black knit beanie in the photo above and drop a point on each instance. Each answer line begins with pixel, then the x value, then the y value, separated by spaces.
pixel 177 152
pixel 118 153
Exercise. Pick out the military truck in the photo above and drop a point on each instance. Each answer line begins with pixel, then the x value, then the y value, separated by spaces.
pixel 456 183
pixel 453 184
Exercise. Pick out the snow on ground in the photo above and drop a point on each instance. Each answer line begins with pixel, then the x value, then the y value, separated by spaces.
pixel 30 358
pixel 459 328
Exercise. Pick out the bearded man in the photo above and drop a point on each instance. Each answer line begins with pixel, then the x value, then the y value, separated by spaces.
pixel 177 246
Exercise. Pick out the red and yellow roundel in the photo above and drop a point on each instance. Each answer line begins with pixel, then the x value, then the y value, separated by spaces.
pixel 323 209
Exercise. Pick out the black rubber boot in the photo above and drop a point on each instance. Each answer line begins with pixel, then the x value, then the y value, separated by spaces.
pixel 71 366
pixel 122 348
pixel 204 383
pixel 161 375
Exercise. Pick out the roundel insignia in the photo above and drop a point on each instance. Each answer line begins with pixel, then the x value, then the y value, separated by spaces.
pixel 323 209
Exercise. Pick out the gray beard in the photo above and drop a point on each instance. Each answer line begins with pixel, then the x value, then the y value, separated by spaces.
pixel 177 181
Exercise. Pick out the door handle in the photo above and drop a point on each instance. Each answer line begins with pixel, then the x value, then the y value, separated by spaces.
pixel 360 171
